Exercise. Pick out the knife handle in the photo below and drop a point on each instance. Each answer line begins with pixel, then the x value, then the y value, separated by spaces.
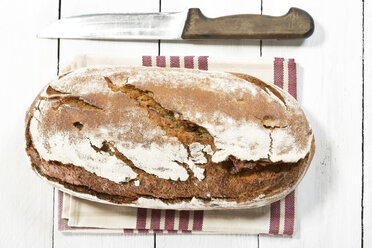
pixel 296 24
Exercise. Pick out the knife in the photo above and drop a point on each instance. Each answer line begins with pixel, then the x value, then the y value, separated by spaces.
pixel 187 25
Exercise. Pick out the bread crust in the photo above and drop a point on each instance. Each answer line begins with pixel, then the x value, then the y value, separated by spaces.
pixel 100 132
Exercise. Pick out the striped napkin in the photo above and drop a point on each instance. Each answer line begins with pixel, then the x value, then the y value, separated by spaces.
pixel 79 215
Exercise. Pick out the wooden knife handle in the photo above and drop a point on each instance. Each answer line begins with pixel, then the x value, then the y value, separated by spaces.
pixel 296 24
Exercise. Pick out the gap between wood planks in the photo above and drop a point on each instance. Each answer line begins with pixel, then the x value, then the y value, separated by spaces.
pixel 158 55
pixel 258 236
pixel 159 43
pixel 362 193
pixel 58 57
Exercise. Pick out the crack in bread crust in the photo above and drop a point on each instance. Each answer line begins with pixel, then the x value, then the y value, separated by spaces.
pixel 72 101
pixel 171 122
pixel 109 148
pixel 51 91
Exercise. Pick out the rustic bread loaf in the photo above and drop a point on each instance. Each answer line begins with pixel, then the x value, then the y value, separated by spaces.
pixel 168 138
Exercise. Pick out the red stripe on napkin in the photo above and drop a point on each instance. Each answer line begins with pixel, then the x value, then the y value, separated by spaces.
pixel 175 61
pixel 189 62
pixel 141 218
pixel 146 61
pixel 292 78
pixel 160 61
pixel 198 221
pixel 169 219
pixel 290 199
pixel 155 219
pixel 184 220
pixel 278 72
pixel 203 63
pixel 274 217
pixel 289 214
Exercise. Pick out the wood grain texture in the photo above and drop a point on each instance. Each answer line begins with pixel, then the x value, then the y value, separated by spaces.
pixel 68 50
pixel 296 24
pixel 367 124
pixel 27 64
pixel 330 90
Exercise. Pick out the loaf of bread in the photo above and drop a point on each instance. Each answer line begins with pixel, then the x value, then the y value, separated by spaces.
pixel 168 138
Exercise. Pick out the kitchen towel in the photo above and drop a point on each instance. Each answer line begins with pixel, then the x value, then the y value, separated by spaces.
pixel 79 215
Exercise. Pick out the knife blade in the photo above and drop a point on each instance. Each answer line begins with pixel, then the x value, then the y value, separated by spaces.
pixel 185 25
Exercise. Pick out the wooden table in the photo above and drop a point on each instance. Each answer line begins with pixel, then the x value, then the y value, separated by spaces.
pixel 335 90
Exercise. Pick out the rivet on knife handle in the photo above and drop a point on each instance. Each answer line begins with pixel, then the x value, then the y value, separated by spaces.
pixel 296 24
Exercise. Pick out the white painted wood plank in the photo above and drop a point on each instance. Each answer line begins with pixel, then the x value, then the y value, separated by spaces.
pixel 212 8
pixel 212 48
pixel 103 240
pixel 71 48
pixel 330 83
pixel 27 64
pixel 205 240
pixel 368 124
